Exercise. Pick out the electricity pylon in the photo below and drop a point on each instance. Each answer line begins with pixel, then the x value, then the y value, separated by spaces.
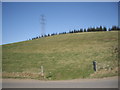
pixel 42 25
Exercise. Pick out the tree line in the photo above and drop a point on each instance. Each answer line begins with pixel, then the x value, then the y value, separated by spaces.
pixel 90 29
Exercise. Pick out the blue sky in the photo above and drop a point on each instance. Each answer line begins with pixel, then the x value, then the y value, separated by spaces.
pixel 21 20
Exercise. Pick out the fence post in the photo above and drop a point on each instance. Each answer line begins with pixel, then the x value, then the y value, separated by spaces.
pixel 42 73
pixel 95 66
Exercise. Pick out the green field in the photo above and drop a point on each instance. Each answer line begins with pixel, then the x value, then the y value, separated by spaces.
pixel 66 56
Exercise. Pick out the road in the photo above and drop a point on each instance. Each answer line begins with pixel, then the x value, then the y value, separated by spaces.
pixel 78 83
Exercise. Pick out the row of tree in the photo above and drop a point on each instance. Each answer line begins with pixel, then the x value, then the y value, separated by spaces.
pixel 91 29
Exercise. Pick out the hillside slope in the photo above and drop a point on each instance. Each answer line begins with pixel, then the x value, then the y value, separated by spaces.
pixel 66 56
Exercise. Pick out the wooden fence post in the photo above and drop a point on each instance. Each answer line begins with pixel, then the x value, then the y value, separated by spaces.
pixel 42 72
pixel 95 66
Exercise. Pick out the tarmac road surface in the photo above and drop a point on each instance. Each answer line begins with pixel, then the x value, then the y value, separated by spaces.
pixel 77 83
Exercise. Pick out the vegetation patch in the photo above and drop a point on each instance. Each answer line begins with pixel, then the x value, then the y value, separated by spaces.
pixel 63 57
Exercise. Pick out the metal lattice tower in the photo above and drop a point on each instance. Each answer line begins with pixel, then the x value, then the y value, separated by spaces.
pixel 42 25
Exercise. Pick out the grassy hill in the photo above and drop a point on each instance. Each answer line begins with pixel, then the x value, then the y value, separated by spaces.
pixel 66 56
